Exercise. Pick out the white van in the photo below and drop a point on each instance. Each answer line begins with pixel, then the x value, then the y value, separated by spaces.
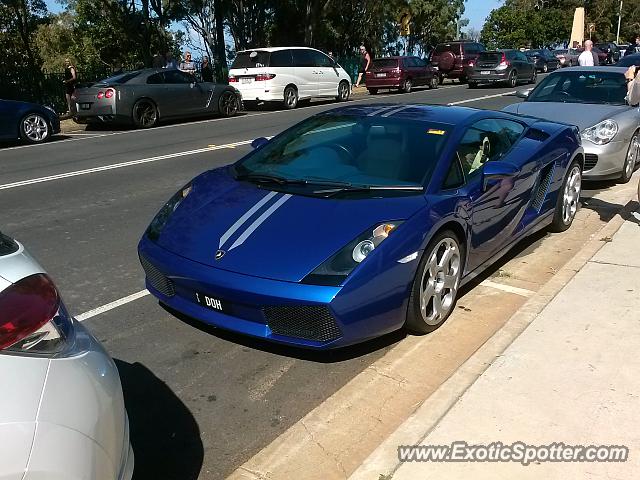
pixel 288 74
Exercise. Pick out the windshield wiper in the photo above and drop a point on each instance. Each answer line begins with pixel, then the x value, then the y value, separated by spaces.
pixel 370 188
pixel 270 178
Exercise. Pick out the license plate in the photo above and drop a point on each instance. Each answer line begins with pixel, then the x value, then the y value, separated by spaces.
pixel 211 303
pixel 485 72
pixel 85 106
pixel 381 75
pixel 246 80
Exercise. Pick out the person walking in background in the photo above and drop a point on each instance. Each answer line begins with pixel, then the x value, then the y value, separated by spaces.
pixel 588 58
pixel 70 81
pixel 171 63
pixel 365 63
pixel 187 65
pixel 206 72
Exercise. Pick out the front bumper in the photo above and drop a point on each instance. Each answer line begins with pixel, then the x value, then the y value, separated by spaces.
pixel 308 316
pixel 604 162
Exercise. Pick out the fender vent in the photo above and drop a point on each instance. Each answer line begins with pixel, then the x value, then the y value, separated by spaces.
pixel 590 161
pixel 543 187
pixel 535 134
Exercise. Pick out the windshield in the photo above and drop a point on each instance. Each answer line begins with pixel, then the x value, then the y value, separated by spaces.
pixel 582 87
pixel 353 151
pixel 251 59
pixel 119 79
pixel 629 60
pixel 533 53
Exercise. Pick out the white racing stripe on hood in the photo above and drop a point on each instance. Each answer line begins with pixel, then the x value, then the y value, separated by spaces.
pixel 244 218
pixel 251 228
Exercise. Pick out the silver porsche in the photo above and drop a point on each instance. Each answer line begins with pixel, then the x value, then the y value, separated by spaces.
pixel 146 97
pixel 593 99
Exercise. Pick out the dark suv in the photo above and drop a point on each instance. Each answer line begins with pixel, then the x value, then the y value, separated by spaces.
pixel 502 66
pixel 612 51
pixel 452 58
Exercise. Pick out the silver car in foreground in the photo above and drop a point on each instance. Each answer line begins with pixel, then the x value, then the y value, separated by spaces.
pixel 146 97
pixel 62 414
pixel 593 99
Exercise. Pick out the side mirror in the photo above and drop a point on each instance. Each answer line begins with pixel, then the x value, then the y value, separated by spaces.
pixel 524 93
pixel 495 171
pixel 259 143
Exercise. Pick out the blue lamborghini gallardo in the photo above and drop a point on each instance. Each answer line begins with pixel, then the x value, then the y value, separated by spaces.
pixel 359 221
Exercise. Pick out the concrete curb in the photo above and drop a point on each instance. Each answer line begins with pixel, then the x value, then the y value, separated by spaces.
pixel 384 460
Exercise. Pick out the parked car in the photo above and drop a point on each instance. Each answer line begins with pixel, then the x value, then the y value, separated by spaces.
pixel 611 51
pixel 62 413
pixel 593 99
pixel 147 97
pixel 288 75
pixel 568 57
pixel 402 73
pixel 543 59
pixel 26 121
pixel 629 60
pixel 623 48
pixel 359 221
pixel 502 66
pixel 602 57
pixel 452 58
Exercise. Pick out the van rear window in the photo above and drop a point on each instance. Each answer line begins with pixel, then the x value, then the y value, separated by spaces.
pixel 251 59
pixel 448 47
pixel 385 63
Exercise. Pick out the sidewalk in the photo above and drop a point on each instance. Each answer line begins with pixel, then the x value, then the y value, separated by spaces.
pixel 572 376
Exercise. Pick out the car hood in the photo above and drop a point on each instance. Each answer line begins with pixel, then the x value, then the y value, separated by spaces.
pixel 271 234
pixel 583 115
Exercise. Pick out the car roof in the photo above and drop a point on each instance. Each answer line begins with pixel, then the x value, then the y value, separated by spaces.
pixel 275 49
pixel 614 69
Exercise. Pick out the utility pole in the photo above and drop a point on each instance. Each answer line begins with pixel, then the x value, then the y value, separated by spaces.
pixel 619 19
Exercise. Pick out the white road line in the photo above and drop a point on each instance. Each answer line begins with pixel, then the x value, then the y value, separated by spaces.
pixel 259 391
pixel 114 166
pixel 112 305
pixel 523 292
pixel 477 99
pixel 186 124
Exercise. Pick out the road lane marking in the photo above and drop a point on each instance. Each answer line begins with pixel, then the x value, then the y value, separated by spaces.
pixel 110 306
pixel 477 99
pixel 114 166
pixel 259 391
pixel 523 292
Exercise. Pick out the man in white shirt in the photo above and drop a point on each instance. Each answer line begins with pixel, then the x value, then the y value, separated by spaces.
pixel 633 86
pixel 587 58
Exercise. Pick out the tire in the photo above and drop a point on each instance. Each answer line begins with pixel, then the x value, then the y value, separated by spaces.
pixel 145 114
pixel 407 86
pixel 473 85
pixel 440 79
pixel 344 91
pixel 423 313
pixel 631 159
pixel 434 82
pixel 373 91
pixel 462 79
pixel 290 97
pixel 513 79
pixel 545 68
pixel 534 77
pixel 228 104
pixel 568 199
pixel 34 128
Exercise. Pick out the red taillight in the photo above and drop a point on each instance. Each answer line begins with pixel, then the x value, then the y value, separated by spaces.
pixel 100 95
pixel 504 62
pixel 109 93
pixel 262 77
pixel 25 307
pixel 233 79
pixel 471 63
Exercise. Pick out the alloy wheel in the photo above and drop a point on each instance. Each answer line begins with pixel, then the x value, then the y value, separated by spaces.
pixel 35 128
pixel 407 86
pixel 545 68
pixel 290 98
pixel 571 195
pixel 513 79
pixel 440 281
pixel 633 155
pixel 228 104
pixel 146 114
pixel 343 92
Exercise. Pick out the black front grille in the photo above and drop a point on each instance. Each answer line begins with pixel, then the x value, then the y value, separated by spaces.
pixel 301 321
pixel 590 160
pixel 157 279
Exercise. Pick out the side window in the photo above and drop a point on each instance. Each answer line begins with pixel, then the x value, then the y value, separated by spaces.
pixel 522 57
pixel 156 79
pixel 320 59
pixel 455 177
pixel 281 58
pixel 303 58
pixel 420 62
pixel 511 55
pixel 176 76
pixel 470 49
pixel 480 47
pixel 410 62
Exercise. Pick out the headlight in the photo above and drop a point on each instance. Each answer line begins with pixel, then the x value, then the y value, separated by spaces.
pixel 338 267
pixel 160 220
pixel 602 133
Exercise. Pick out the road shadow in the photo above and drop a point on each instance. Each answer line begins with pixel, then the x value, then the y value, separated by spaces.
pixel 164 434
pixel 319 356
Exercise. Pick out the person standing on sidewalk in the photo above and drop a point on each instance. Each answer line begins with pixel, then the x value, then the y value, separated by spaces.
pixel 187 65
pixel 70 81
pixel 633 85
pixel 588 58
pixel 365 63
pixel 206 72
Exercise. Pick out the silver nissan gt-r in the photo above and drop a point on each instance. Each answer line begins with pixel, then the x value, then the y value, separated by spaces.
pixel 593 99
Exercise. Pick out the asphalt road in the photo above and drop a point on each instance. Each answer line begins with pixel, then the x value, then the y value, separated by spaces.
pixel 201 402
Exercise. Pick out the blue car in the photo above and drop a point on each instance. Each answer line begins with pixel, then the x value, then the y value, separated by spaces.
pixel 26 121
pixel 359 221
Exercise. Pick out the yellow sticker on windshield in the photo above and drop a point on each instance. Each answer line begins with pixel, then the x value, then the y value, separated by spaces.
pixel 434 131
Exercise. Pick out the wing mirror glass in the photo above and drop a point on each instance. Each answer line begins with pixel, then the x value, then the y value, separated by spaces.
pixel 524 93
pixel 496 171
pixel 259 143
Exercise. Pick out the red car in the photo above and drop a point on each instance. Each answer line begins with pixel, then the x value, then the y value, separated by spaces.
pixel 402 73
